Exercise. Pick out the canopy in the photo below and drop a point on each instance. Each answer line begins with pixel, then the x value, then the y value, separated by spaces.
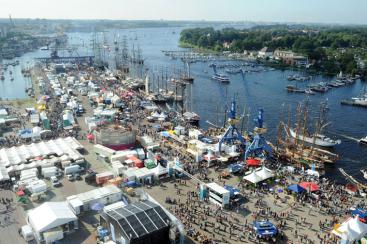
pixel 253 162
pixel 265 173
pixel 296 188
pixel 253 178
pixel 310 186
pixel 351 230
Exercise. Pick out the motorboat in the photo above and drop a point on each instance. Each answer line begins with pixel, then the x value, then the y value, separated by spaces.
pixel 310 92
pixel 363 140
pixel 364 172
pixel 316 139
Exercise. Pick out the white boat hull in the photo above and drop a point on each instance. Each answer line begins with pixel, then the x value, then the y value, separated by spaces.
pixel 314 140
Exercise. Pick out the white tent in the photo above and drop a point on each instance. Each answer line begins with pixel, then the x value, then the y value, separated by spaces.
pixel 253 177
pixel 351 230
pixel 50 215
pixel 265 173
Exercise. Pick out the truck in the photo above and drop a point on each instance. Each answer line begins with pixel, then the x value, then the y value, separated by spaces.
pixel 73 169
pixel 50 171
pixel 102 178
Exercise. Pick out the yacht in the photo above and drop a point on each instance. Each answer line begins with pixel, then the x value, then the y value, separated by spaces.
pixel 316 139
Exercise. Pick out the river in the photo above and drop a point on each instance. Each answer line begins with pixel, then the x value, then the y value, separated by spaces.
pixel 256 90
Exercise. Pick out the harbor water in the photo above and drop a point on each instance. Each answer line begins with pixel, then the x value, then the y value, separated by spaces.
pixel 265 89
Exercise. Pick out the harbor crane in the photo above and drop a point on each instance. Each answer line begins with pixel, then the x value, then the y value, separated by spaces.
pixel 232 134
pixel 258 145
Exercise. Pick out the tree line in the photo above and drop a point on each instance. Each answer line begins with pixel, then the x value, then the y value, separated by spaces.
pixel 331 49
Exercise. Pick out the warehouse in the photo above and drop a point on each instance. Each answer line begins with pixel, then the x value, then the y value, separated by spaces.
pixel 137 223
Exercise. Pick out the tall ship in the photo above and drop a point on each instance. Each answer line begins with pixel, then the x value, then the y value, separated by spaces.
pixel 115 137
pixel 317 138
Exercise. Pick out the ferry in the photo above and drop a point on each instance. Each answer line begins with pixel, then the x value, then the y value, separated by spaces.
pixel 221 77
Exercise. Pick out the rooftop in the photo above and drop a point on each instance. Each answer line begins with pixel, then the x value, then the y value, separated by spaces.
pixel 140 218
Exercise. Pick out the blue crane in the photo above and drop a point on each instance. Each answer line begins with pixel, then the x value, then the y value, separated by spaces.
pixel 258 145
pixel 232 134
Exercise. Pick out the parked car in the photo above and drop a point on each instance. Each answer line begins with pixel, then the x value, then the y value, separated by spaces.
pixel 55 181
pixel 70 177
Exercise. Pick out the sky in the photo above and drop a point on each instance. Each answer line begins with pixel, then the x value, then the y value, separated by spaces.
pixel 316 11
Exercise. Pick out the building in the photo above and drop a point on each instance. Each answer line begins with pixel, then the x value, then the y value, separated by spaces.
pixel 265 52
pixel 291 58
pixel 300 61
pixel 115 137
pixel 218 194
pixel 281 54
pixel 138 223
pixel 84 201
pixel 51 221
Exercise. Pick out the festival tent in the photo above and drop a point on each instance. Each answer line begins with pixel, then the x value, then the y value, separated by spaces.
pixel 265 173
pixel 253 177
pixel 296 188
pixel 351 230
pixel 310 186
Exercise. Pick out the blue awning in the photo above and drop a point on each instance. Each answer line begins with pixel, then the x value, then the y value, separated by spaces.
pixel 296 188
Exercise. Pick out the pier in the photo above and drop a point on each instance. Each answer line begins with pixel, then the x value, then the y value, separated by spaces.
pixel 69 59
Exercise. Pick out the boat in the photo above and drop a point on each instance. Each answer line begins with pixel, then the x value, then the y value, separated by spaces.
pixel 364 172
pixel 191 117
pixel 316 139
pixel 221 77
pixel 310 92
pixel 2 77
pixel 319 88
pixel 188 79
pixel 363 140
pixel 292 88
